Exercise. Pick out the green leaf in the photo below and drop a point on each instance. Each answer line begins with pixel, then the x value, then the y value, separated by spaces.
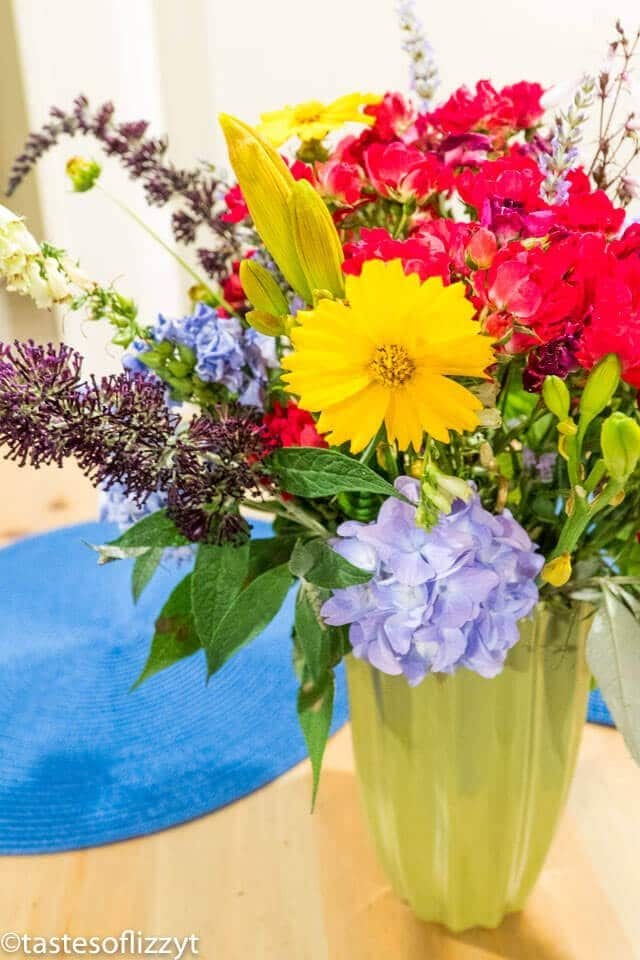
pixel 317 562
pixel 518 403
pixel 312 636
pixel 317 472
pixel 175 636
pixel 269 552
pixel 154 530
pixel 143 570
pixel 218 577
pixel 250 613
pixel 315 711
pixel 613 654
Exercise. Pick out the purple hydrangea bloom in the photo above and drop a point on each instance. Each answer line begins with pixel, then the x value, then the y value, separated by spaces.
pixel 440 599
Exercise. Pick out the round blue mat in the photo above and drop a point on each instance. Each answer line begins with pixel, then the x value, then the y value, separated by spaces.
pixel 598 710
pixel 82 760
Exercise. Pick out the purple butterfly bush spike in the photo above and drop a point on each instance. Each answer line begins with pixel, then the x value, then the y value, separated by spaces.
pixel 438 600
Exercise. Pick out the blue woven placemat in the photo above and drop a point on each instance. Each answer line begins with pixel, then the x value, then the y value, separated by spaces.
pixel 85 762
pixel 598 711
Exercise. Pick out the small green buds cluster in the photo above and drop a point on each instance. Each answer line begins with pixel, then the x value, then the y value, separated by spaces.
pixel 620 442
pixel 175 365
pixel 83 173
pixel 438 492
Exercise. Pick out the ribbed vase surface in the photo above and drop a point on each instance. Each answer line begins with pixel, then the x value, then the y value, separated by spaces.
pixel 463 779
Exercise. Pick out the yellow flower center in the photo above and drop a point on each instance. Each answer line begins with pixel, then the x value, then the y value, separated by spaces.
pixel 308 112
pixel 391 365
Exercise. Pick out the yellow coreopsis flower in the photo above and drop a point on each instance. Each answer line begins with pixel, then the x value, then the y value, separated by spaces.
pixel 387 355
pixel 313 120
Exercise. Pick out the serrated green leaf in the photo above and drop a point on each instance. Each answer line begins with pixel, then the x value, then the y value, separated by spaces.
pixel 175 636
pixel 315 712
pixel 251 612
pixel 155 530
pixel 218 578
pixel 613 654
pixel 143 570
pixel 316 561
pixel 269 552
pixel 318 472
pixel 312 636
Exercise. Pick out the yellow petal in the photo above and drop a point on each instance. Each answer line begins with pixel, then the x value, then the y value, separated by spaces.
pixel 357 419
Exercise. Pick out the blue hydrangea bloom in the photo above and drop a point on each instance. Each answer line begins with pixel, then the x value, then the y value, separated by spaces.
pixel 226 352
pixel 440 599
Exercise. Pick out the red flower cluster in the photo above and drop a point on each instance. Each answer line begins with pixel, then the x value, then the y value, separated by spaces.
pixel 500 113
pixel 553 282
pixel 549 281
pixel 292 427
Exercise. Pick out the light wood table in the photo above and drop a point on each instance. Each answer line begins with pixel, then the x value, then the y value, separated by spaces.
pixel 262 879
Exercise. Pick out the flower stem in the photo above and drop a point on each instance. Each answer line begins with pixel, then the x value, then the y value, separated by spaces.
pixel 219 300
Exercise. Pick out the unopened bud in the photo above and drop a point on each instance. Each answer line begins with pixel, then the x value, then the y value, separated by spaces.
pixel 83 173
pixel 556 396
pixel 557 572
pixel 266 184
pixel 620 442
pixel 599 389
pixel 481 249
pixel 316 240
pixel 261 289
pixel 567 428
pixel 266 323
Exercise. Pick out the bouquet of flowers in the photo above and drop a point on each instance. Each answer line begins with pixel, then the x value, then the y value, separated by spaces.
pixel 413 340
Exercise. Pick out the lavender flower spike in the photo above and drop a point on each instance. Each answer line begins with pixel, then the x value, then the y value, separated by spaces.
pixel 424 72
pixel 438 600
pixel 566 134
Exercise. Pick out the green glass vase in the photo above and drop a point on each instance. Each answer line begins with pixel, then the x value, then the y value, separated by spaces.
pixel 463 779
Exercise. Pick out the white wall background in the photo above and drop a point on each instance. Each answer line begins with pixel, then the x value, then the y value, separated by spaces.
pixel 179 62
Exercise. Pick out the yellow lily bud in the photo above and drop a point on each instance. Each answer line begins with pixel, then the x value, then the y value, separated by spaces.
pixel 556 396
pixel 265 323
pixel 317 242
pixel 620 441
pixel 599 389
pixel 262 289
pixel 557 572
pixel 266 184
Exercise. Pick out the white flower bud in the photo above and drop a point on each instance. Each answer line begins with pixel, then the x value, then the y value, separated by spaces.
pixel 17 248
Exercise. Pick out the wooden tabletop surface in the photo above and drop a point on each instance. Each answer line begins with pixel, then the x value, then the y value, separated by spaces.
pixel 262 879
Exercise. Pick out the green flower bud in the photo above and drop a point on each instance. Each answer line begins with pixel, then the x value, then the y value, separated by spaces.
pixel 262 290
pixel 265 323
pixel 599 389
pixel 83 173
pixel 198 293
pixel 556 396
pixel 620 442
pixel 438 493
